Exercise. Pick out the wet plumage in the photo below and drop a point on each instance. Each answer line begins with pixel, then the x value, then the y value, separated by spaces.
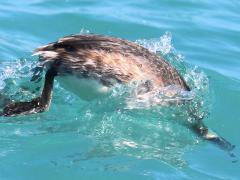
pixel 109 60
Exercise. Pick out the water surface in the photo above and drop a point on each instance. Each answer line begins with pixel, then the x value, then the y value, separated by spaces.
pixel 103 139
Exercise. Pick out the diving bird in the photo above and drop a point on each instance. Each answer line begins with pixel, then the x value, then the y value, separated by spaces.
pixel 89 65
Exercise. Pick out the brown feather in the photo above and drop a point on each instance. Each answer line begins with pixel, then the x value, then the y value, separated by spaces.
pixel 109 59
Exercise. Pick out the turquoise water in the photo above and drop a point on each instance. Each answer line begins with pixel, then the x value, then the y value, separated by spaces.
pixel 103 139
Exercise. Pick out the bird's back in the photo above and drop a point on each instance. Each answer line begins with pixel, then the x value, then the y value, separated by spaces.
pixel 109 59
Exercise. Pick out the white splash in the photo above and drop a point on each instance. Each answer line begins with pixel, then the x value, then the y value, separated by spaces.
pixel 15 70
pixel 84 31
pixel 163 44
pixel 164 97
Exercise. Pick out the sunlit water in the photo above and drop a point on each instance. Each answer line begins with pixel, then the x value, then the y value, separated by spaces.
pixel 120 137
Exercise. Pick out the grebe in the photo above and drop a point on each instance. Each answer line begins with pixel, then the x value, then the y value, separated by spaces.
pixel 90 65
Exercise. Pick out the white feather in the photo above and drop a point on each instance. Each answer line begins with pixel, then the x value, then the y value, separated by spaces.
pixel 85 88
